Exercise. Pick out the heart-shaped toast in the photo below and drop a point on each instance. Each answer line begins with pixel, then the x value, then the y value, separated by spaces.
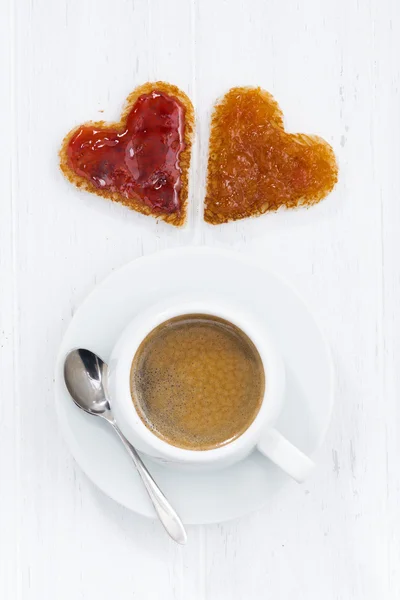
pixel 254 166
pixel 142 161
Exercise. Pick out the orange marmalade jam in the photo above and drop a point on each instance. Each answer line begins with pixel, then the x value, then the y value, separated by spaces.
pixel 139 161
pixel 254 166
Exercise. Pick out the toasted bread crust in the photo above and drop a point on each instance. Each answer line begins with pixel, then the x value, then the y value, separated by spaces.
pixel 176 219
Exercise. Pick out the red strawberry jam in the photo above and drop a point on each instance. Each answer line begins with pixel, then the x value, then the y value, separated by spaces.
pixel 140 160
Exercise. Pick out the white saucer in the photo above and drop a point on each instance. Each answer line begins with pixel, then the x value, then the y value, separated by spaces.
pixel 249 485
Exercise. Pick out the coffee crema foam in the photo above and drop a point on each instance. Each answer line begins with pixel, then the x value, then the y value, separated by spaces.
pixel 197 382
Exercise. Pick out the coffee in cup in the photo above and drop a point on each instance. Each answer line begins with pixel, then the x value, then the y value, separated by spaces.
pixel 197 381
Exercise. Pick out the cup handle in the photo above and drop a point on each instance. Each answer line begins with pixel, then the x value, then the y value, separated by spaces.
pixel 278 449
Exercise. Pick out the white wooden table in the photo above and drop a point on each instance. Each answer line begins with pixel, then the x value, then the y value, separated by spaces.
pixel 334 68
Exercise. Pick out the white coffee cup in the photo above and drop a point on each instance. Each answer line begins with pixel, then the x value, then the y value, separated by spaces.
pixel 260 435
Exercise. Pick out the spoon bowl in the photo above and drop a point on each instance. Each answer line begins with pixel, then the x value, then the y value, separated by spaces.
pixel 84 374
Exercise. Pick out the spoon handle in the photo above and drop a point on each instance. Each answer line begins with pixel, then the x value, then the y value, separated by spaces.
pixel 168 517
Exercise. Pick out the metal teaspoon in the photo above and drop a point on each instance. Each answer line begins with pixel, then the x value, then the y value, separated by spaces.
pixel 84 374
